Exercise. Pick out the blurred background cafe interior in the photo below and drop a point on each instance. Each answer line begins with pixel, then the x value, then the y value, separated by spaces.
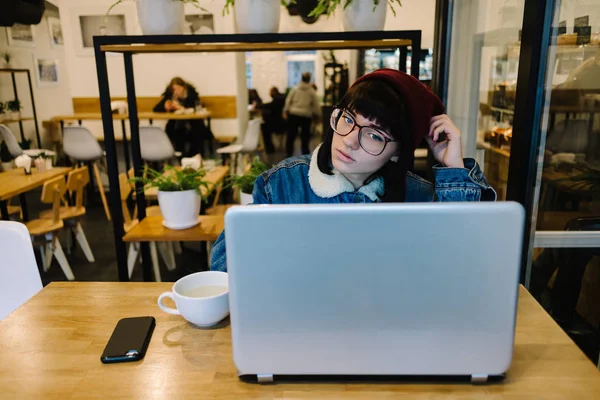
pixel 534 129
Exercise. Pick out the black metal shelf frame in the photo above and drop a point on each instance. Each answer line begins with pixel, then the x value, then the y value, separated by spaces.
pixel 107 121
pixel 12 73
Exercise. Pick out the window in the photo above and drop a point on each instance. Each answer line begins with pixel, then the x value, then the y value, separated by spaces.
pixel 299 62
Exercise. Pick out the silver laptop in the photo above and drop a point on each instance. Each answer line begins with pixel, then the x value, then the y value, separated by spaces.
pixel 404 289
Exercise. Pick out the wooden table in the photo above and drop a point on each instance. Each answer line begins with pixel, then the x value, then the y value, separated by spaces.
pixel 151 229
pixel 142 115
pixel 15 183
pixel 214 177
pixel 50 348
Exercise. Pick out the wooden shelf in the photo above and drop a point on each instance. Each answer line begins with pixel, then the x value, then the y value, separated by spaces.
pixel 243 47
pixel 9 120
pixel 141 115
pixel 151 229
pixel 11 70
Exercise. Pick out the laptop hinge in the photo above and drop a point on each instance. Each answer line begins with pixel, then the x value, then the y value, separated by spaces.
pixel 479 378
pixel 264 378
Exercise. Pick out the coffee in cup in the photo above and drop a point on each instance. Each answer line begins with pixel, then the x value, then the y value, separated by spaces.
pixel 201 298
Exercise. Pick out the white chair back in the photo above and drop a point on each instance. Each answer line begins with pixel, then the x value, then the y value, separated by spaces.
pixel 252 135
pixel 19 276
pixel 155 144
pixel 79 144
pixel 8 136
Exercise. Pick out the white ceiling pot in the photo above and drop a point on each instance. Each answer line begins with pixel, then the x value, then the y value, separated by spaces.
pixel 365 15
pixel 257 16
pixel 161 17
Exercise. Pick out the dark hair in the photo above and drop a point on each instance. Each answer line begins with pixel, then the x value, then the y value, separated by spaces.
pixel 306 77
pixel 378 101
pixel 176 81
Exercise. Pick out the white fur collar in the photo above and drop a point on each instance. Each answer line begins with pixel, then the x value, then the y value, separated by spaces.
pixel 328 186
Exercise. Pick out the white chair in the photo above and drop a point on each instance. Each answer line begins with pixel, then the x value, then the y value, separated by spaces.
pixel 15 149
pixel 155 145
pixel 80 145
pixel 19 276
pixel 248 144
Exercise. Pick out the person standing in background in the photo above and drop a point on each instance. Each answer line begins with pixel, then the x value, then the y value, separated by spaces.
pixel 187 136
pixel 273 119
pixel 301 105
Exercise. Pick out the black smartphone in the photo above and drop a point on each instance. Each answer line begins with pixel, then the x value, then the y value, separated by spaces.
pixel 129 340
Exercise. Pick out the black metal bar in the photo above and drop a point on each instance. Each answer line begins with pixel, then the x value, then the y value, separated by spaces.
pixel 537 17
pixel 37 128
pixel 255 37
pixel 14 83
pixel 111 161
pixel 125 147
pixel 402 58
pixel 442 37
pixel 415 54
pixel 4 209
pixel 136 154
pixel 24 210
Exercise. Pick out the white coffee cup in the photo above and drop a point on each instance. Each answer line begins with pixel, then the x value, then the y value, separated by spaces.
pixel 200 311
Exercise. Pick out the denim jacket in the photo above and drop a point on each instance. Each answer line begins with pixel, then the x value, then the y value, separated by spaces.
pixel 298 180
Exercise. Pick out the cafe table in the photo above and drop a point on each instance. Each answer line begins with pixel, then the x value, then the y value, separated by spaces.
pixel 50 349
pixel 16 183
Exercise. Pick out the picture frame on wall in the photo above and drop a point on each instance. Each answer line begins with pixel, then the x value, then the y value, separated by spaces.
pixel 88 22
pixel 46 71
pixel 21 35
pixel 55 32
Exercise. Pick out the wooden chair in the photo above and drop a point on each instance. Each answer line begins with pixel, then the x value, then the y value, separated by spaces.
pixel 77 180
pixel 12 210
pixel 44 231
pixel 216 208
pixel 130 221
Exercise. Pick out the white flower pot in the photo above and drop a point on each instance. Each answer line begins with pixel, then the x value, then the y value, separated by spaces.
pixel 7 166
pixel 360 16
pixel 161 17
pixel 257 16
pixel 180 210
pixel 48 164
pixel 245 199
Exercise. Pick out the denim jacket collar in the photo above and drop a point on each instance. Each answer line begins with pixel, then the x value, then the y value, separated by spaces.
pixel 328 186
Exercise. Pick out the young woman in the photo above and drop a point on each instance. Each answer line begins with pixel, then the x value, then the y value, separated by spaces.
pixel 187 136
pixel 364 157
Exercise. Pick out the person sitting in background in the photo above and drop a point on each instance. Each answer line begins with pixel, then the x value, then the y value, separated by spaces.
pixel 273 118
pixel 301 105
pixel 187 136
pixel 254 103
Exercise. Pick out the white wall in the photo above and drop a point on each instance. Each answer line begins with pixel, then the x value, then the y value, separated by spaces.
pixel 49 100
pixel 212 74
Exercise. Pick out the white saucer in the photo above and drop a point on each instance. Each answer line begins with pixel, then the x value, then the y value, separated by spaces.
pixel 181 226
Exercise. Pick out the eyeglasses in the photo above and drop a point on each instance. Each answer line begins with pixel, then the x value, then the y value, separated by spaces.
pixel 371 140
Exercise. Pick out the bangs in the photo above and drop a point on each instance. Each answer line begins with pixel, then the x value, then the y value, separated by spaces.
pixel 376 101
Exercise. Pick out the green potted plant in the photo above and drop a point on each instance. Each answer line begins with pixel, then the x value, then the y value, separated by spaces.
pixel 246 181
pixel 161 17
pixel 359 15
pixel 256 16
pixel 5 157
pixel 179 194
pixel 14 106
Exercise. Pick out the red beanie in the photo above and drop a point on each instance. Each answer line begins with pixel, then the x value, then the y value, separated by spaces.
pixel 421 102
